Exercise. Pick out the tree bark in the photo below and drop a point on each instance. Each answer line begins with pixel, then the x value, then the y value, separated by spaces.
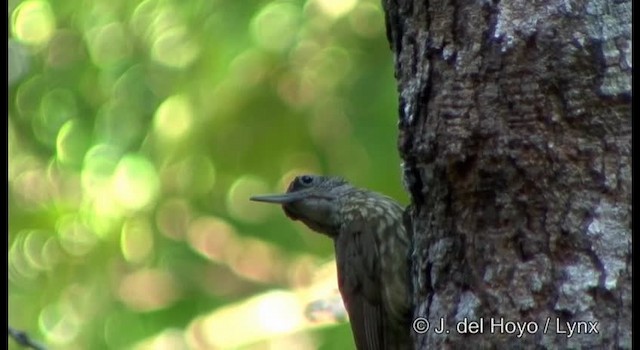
pixel 515 131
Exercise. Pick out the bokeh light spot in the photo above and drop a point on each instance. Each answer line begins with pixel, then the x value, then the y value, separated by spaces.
pixel 99 165
pixel 148 289
pixel 298 91
pixel 32 188
pixel 72 143
pixel 173 218
pixel 60 323
pixel 56 108
pixel 328 66
pixel 168 339
pixel 75 237
pixel 367 20
pixel 257 260
pixel 175 48
pixel 336 8
pixel 275 27
pixel 103 215
pixel 143 17
pixel 136 240
pixel 213 238
pixel 248 68
pixel 34 249
pixel 29 95
pixel 174 117
pixel 135 183
pixel 238 203
pixel 51 252
pixel 33 22
pixel 261 317
pixel 20 269
pixel 108 44
pixel 66 48
pixel 117 123
pixel 279 312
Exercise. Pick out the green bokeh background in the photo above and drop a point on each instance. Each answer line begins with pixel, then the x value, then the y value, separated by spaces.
pixel 137 132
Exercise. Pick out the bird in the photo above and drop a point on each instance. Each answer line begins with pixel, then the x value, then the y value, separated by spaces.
pixel 372 253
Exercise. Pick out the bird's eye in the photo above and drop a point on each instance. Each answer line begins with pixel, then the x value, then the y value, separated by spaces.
pixel 306 179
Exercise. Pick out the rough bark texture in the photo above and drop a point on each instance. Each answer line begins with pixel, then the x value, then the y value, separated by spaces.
pixel 515 130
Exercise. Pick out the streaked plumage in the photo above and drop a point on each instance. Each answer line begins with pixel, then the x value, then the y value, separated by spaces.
pixel 372 252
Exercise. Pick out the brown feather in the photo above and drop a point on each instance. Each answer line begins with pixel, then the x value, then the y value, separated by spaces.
pixel 359 284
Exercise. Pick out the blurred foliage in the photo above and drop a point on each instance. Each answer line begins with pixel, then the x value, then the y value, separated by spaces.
pixel 137 132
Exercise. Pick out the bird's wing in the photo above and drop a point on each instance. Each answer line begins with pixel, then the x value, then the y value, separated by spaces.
pixel 359 283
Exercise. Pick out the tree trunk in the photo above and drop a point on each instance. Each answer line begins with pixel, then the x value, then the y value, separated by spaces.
pixel 515 131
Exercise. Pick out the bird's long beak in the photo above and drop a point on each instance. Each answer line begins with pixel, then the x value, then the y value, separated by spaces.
pixel 281 198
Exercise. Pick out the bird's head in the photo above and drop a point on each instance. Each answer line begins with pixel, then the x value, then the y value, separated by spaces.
pixel 312 199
